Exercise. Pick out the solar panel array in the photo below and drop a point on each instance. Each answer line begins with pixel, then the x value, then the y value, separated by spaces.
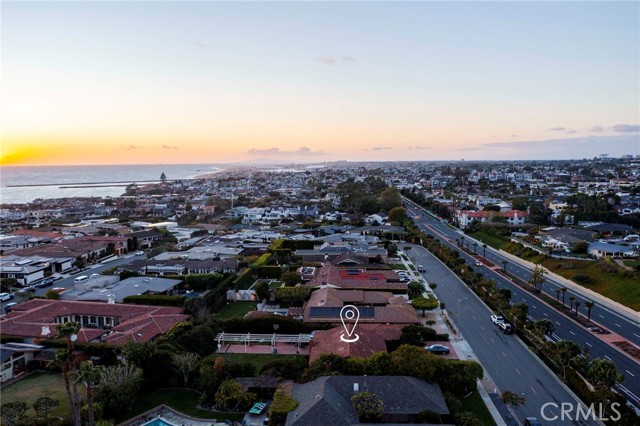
pixel 321 311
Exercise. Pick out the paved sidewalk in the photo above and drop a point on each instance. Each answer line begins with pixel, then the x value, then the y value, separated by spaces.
pixel 486 387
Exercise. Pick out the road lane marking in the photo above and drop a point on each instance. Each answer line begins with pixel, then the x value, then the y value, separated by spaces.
pixel 545 314
pixel 600 316
pixel 635 335
pixel 572 332
pixel 518 371
pixel 618 325
pixel 630 373
pixel 534 391
pixel 557 323
pixel 503 354
pixel 608 358
pixel 534 306
pixel 473 317
pixel 588 344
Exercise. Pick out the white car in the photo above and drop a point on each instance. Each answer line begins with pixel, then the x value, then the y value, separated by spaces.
pixel 497 319
pixel 5 296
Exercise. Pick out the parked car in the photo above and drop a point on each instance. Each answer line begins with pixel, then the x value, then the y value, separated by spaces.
pixel 5 296
pixel 438 349
pixel 506 327
pixel 497 319
pixel 30 288
pixel 532 421
pixel 139 253
pixel 9 306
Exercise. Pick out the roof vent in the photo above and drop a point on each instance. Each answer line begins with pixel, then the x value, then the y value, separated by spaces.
pixel 356 387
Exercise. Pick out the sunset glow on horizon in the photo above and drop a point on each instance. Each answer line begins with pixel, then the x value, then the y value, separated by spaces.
pixel 215 82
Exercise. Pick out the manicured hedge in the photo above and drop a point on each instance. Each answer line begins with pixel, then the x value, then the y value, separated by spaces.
pixel 244 280
pixel 269 271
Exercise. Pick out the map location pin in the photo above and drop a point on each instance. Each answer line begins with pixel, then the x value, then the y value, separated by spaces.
pixel 349 313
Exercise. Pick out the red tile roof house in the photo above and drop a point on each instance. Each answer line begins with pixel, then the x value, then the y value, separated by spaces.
pixel 358 279
pixel 102 322
pixel 372 339
pixel 376 307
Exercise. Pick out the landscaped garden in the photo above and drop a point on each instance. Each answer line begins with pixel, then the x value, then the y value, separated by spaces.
pixel 37 385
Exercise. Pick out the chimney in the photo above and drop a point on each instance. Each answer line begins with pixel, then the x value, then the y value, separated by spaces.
pixel 356 387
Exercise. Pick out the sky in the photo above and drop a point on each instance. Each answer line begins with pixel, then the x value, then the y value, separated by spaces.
pixel 214 82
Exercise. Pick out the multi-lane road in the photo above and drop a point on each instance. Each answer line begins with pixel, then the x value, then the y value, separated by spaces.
pixel 508 362
pixel 565 328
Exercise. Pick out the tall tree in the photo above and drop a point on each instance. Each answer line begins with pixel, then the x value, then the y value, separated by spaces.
pixel 603 373
pixel 119 386
pixel 589 305
pixel 368 405
pixel 537 278
pixel 186 363
pixel 13 412
pixel 230 395
pixel 43 405
pixel 163 177
pixel 66 359
pixel 88 375
pixel 390 198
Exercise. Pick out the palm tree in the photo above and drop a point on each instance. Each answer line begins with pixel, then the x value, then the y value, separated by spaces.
pixel 65 359
pixel 474 248
pixel 563 290
pixel 558 295
pixel 589 304
pixel 504 265
pixel 571 299
pixel 577 306
pixel 89 376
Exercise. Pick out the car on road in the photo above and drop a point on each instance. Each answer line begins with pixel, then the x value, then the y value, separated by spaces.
pixel 437 349
pixel 506 327
pixel 478 263
pixel 497 319
pixel 139 253
pixel 45 283
pixel 30 288
pixel 59 289
pixel 422 268
pixel 532 421
pixel 5 296
pixel 597 330
pixel 94 276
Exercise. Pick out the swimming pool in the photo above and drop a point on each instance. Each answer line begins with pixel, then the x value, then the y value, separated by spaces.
pixel 158 422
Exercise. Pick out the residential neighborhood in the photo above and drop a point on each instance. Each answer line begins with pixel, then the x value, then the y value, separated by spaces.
pixel 258 263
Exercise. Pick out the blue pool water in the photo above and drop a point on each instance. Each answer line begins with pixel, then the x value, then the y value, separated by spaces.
pixel 158 422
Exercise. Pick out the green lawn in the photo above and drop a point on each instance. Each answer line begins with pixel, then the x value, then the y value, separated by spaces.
pixel 258 360
pixel 183 400
pixel 475 404
pixel 398 266
pixel 33 387
pixel 631 263
pixel 489 240
pixel 236 309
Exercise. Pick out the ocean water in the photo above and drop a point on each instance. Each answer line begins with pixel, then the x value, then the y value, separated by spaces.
pixel 81 181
